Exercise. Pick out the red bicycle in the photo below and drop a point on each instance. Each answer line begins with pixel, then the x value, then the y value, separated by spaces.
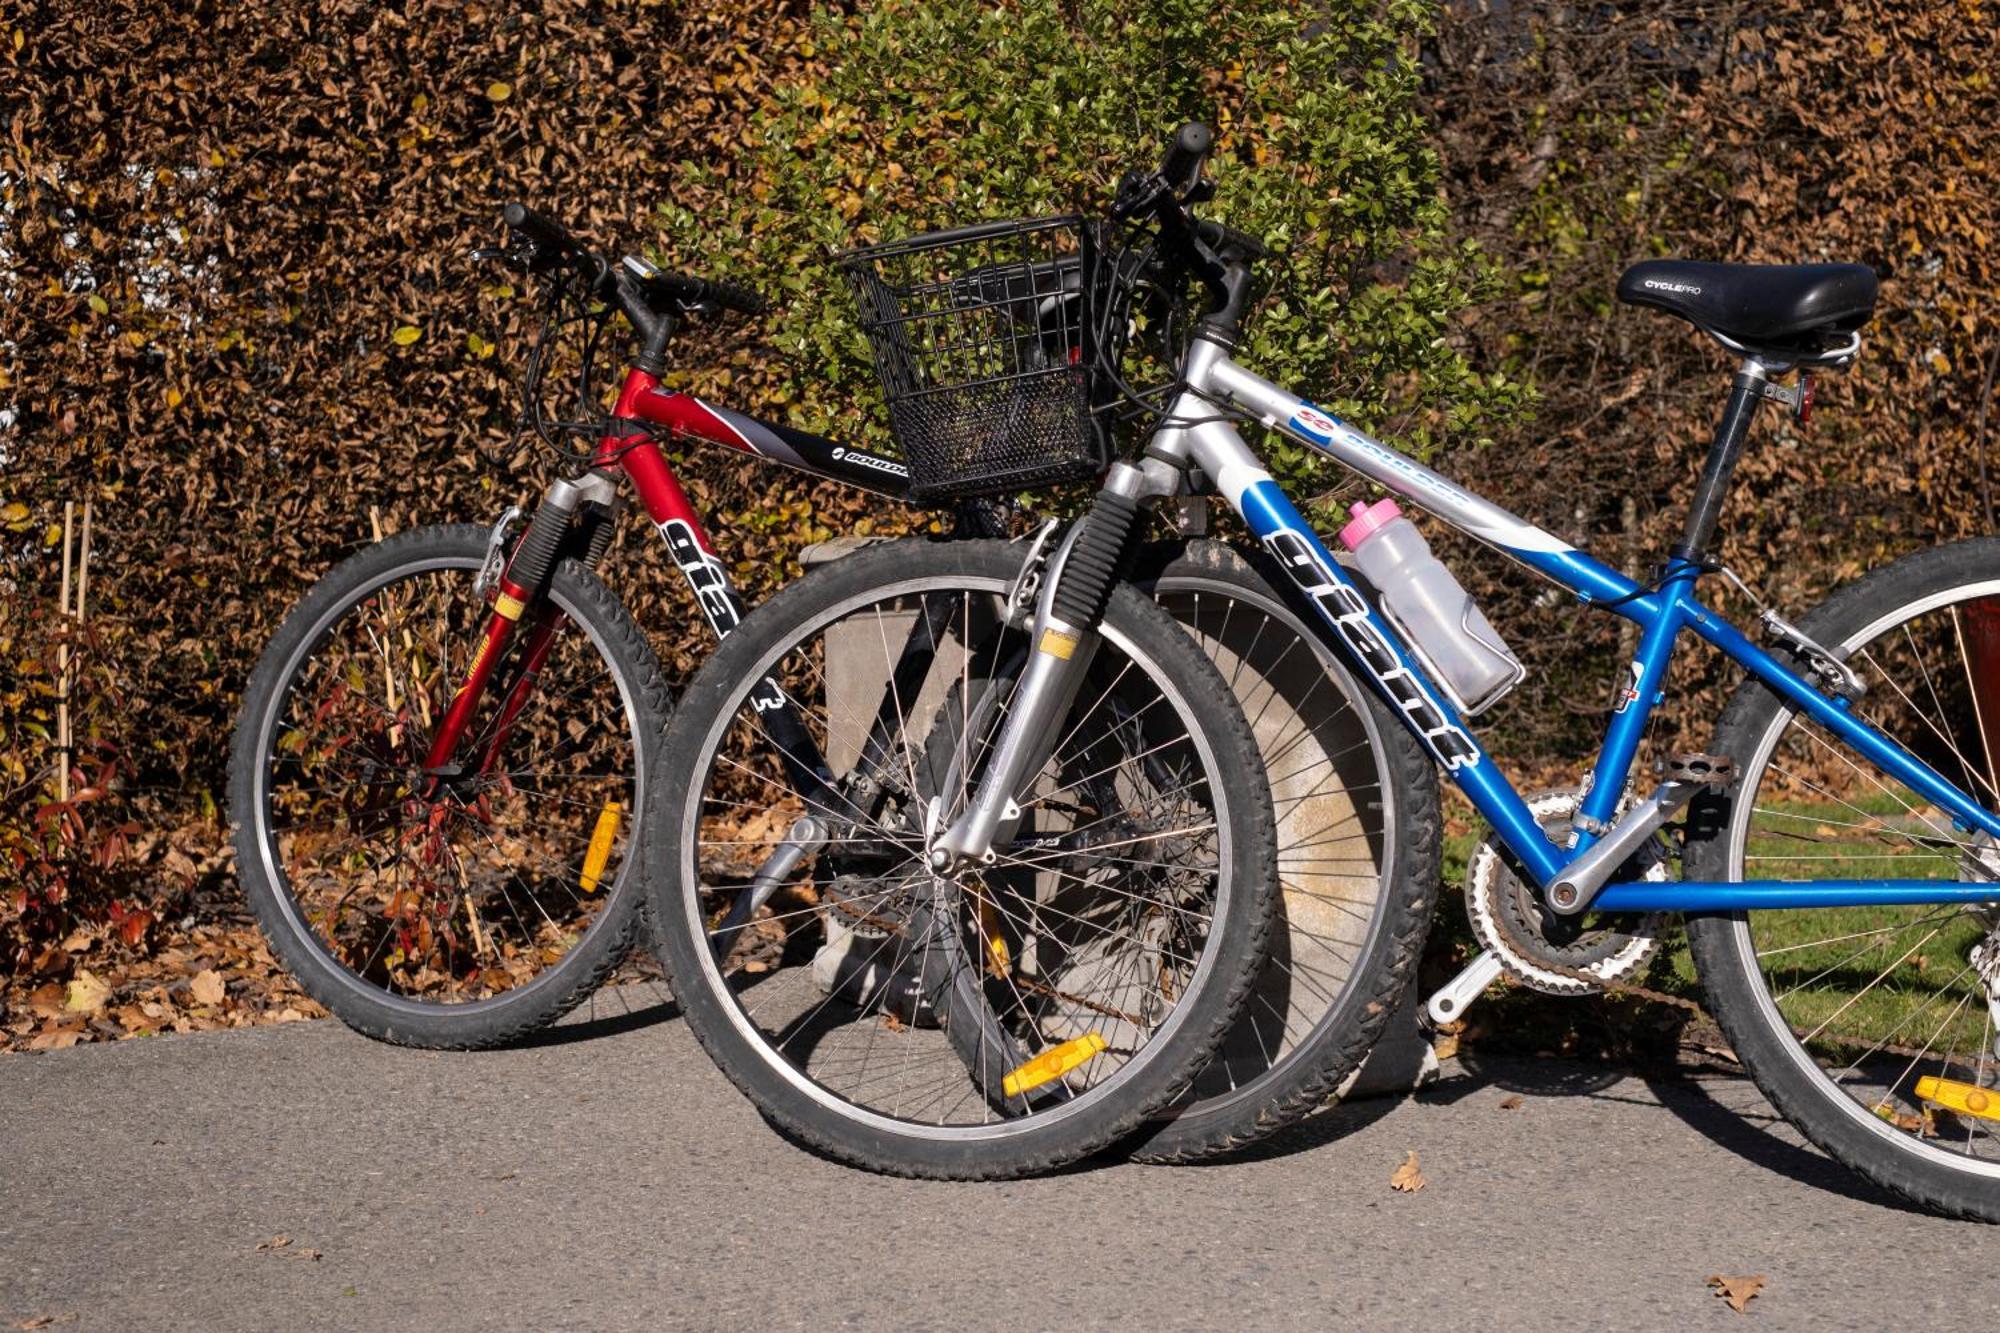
pixel 440 755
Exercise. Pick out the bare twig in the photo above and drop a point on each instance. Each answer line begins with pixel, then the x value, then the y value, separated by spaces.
pixel 62 660
pixel 388 671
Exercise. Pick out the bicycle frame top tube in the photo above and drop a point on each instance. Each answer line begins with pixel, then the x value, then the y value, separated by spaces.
pixel 645 402
pixel 630 444
pixel 1661 612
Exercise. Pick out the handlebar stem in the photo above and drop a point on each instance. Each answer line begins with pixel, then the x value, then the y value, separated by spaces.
pixel 1224 322
pixel 655 328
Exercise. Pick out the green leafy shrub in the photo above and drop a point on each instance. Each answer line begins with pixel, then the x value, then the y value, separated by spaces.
pixel 915 116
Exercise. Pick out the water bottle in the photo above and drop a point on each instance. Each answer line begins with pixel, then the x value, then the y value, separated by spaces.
pixel 1438 618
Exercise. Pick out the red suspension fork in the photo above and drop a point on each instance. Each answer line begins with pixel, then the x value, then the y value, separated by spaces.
pixel 541 639
pixel 507 608
pixel 520 588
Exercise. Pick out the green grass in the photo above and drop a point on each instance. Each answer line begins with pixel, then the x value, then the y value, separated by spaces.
pixel 1867 974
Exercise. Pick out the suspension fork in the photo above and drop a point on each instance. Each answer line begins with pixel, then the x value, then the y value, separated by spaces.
pixel 548 620
pixel 521 588
pixel 1064 639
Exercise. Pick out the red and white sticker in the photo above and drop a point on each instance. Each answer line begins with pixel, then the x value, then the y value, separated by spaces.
pixel 1629 691
pixel 1312 422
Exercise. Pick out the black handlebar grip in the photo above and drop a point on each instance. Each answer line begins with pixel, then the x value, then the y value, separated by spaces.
pixel 709 291
pixel 740 299
pixel 1182 167
pixel 1223 237
pixel 545 233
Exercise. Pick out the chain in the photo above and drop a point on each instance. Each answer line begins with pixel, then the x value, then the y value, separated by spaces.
pixel 1599 984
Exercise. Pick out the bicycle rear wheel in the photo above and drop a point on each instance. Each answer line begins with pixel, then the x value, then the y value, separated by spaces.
pixel 1872 1029
pixel 986 1023
pixel 1356 804
pixel 458 910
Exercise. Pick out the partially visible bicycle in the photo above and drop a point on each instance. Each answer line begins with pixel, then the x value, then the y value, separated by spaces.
pixel 1839 871
pixel 441 756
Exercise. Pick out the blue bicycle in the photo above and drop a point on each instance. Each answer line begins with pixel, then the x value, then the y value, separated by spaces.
pixel 1043 834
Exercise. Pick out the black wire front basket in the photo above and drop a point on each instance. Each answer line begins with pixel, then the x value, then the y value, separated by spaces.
pixel 989 342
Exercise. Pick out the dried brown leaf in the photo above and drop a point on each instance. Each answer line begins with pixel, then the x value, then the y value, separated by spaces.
pixel 1408 1178
pixel 1738 1291
pixel 208 988
pixel 47 1001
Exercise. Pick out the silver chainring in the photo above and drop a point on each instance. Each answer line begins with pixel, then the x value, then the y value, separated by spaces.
pixel 1507 921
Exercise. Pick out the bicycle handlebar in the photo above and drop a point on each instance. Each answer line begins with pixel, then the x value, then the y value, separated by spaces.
pixel 1181 169
pixel 1217 255
pixel 553 243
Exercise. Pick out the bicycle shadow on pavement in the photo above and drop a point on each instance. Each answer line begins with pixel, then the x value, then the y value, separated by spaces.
pixel 1731 1113
pixel 1723 1107
pixel 609 1012
pixel 1726 1109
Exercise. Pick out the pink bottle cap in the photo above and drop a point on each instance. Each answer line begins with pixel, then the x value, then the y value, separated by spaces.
pixel 1368 520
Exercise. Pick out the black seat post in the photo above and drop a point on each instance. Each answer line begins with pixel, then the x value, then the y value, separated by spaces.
pixel 1730 432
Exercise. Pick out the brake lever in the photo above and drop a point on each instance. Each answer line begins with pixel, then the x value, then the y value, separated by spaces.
pixel 1137 192
pixel 487 253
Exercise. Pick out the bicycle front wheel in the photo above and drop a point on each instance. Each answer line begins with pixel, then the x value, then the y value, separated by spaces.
pixel 459 909
pixel 1872 1029
pixel 984 1023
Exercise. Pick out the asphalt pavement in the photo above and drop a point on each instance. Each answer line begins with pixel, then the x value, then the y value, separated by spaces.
pixel 302 1177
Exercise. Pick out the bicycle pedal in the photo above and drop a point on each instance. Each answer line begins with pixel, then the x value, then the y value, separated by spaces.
pixel 1715 771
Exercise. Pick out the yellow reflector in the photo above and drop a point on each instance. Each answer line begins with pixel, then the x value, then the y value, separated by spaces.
pixel 1051 1064
pixel 1968 1098
pixel 996 943
pixel 1058 644
pixel 601 839
pixel 507 606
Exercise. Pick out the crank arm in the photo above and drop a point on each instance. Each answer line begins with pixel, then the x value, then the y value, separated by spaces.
pixel 1449 1003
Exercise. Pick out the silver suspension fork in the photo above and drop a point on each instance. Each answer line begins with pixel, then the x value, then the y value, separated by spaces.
pixel 1063 647
pixel 1048 687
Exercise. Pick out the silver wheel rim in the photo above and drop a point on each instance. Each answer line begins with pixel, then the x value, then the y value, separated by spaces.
pixel 696 927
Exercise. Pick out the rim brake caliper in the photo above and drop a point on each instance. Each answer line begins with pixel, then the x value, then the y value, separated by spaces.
pixel 495 563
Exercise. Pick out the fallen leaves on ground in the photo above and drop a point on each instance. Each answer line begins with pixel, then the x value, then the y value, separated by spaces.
pixel 45 1320
pixel 1512 1102
pixel 209 976
pixel 1409 1177
pixel 1738 1291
